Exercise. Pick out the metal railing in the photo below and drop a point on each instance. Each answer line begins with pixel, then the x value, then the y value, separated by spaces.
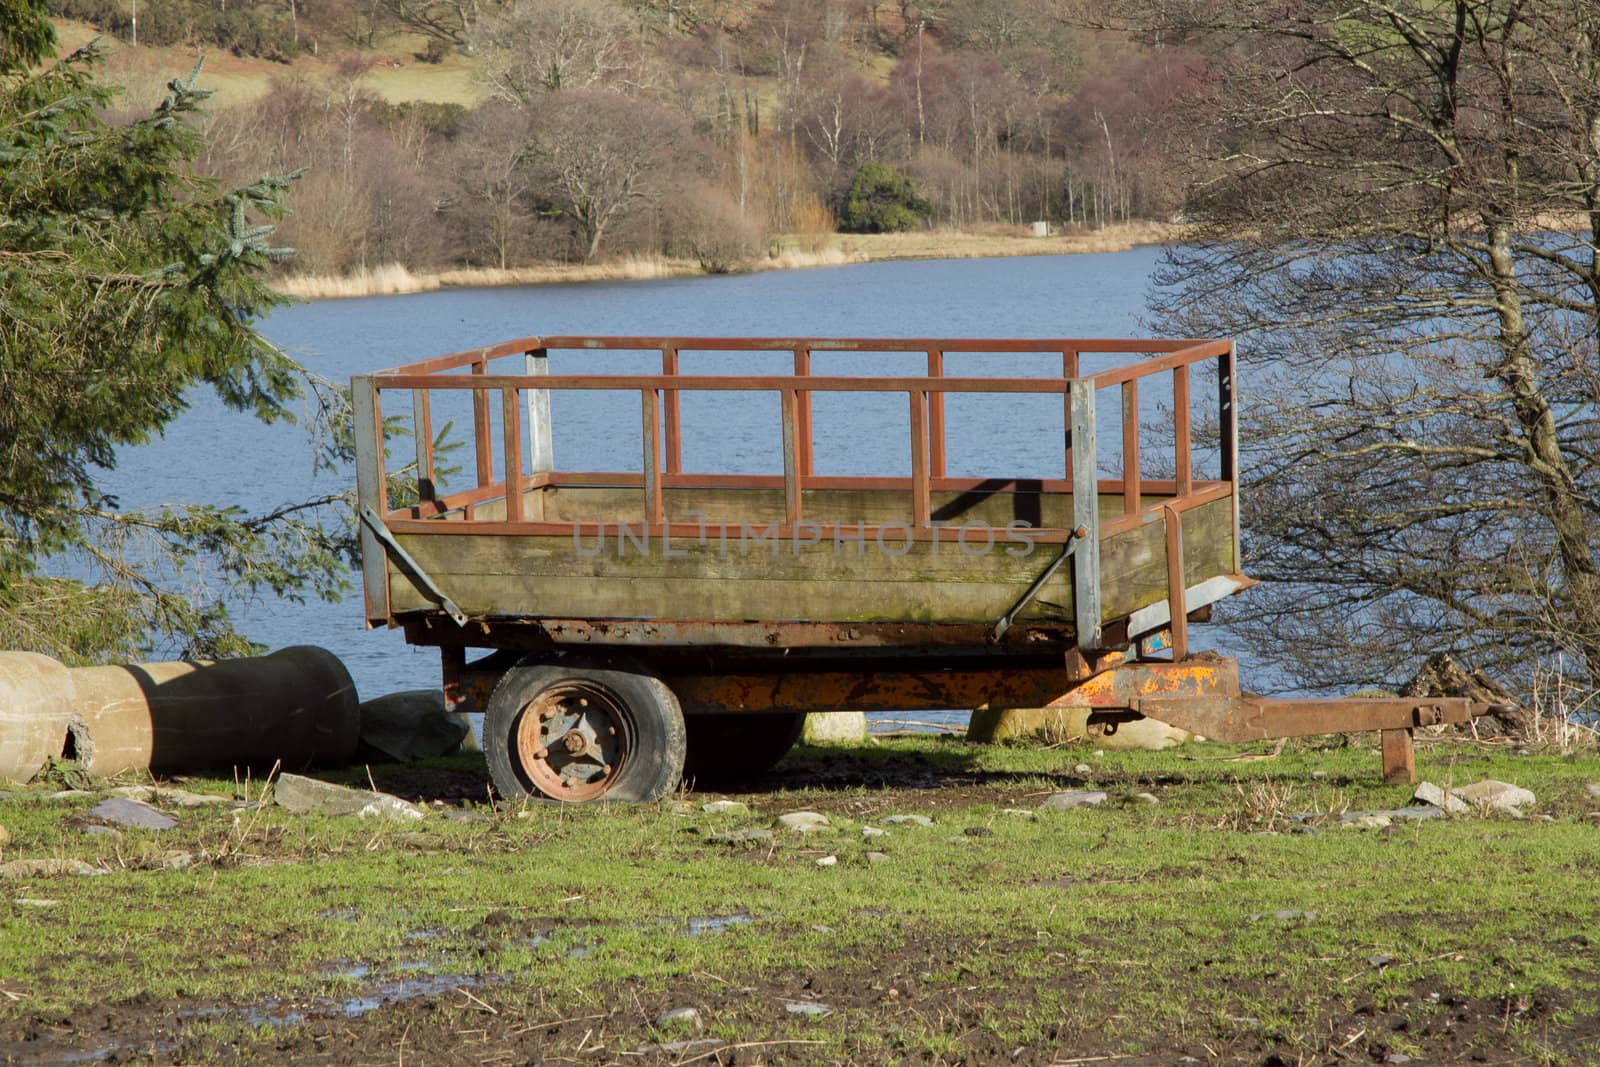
pixel 527 464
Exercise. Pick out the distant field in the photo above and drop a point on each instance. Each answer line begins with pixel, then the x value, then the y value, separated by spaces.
pixel 397 75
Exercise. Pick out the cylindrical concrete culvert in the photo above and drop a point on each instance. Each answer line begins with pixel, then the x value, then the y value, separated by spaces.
pixel 35 706
pixel 297 705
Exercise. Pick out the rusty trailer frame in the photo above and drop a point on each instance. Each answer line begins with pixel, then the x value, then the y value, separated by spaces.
pixel 1127 562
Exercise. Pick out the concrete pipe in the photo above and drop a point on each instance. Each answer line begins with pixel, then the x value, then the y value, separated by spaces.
pixel 35 706
pixel 297 705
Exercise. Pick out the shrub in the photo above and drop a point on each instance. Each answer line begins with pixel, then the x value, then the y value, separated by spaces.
pixel 882 200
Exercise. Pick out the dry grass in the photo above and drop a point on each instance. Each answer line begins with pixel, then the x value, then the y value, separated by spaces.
pixel 391 278
pixel 1006 241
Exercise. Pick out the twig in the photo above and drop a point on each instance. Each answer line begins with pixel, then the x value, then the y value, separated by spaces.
pixel 476 1001
pixel 744 1044
pixel 11 995
pixel 559 1022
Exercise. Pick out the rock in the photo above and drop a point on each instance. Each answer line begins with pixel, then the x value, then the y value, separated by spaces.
pixel 177 861
pixel 803 822
pixel 725 807
pixel 1378 963
pixel 877 857
pixel 1284 915
pixel 1073 798
pixel 1370 820
pixel 1147 798
pixel 1593 816
pixel 19 869
pixel 309 796
pixel 412 725
pixel 873 831
pixel 1070 725
pixel 978 831
pixel 828 861
pixel 1082 769
pixel 1319 775
pixel 121 811
pixel 178 798
pixel 1428 793
pixel 1593 789
pixel 680 1017
pixel 754 836
pixel 97 830
pixel 835 728
pixel 35 902
pixel 1397 1057
pixel 1491 795
pixel 1442 676
pixel 1023 812
pixel 806 1007
pixel 907 820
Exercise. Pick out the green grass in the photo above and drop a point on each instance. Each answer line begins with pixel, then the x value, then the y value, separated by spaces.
pixel 1126 929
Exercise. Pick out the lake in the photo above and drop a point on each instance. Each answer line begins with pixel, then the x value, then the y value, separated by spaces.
pixel 215 455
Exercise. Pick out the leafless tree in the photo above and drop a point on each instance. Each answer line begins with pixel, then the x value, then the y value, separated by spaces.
pixel 1402 220
pixel 535 46
pixel 598 156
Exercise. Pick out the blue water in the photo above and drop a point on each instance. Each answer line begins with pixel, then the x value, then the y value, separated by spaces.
pixel 215 455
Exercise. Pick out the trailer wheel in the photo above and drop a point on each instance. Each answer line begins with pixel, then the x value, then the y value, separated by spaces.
pixel 578 733
pixel 729 747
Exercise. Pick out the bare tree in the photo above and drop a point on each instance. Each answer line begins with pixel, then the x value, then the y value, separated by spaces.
pixel 597 156
pixel 1402 212
pixel 536 46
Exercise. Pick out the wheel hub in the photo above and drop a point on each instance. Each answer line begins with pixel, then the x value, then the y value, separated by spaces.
pixel 572 740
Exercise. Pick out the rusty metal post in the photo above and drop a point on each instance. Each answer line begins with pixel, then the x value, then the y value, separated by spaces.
pixel 480 429
pixel 802 412
pixel 1399 758
pixel 936 466
pixel 511 449
pixel 1130 447
pixel 1177 584
pixel 669 366
pixel 422 430
pixel 789 409
pixel 1182 460
pixel 650 413
pixel 921 497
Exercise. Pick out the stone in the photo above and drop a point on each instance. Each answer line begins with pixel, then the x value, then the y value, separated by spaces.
pixel 877 857
pixel 828 861
pixel 725 807
pixel 1397 1057
pixel 1147 798
pixel 835 728
pixel 806 1007
pixel 803 822
pixel 873 831
pixel 1073 798
pixel 412 725
pixel 1319 775
pixel 1082 769
pixel 1593 816
pixel 121 811
pixel 1070 725
pixel 177 861
pixel 310 796
pixel 1593 789
pixel 19 869
pixel 978 831
pixel 907 820
pixel 35 902
pixel 177 798
pixel 1428 793
pixel 688 1018
pixel 1022 812
pixel 754 836
pixel 1370 820
pixel 1491 795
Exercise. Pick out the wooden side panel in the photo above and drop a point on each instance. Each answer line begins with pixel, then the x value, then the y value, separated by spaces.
pixel 739 574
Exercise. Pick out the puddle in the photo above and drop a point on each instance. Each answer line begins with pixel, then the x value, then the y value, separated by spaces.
pixel 717 924
pixel 341 915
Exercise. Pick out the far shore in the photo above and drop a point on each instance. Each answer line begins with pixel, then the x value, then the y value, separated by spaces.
pixel 834 250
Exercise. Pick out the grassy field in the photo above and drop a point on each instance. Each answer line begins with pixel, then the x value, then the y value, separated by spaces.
pixel 1210 924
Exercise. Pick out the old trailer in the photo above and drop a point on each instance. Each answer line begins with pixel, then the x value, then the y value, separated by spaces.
pixel 618 626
